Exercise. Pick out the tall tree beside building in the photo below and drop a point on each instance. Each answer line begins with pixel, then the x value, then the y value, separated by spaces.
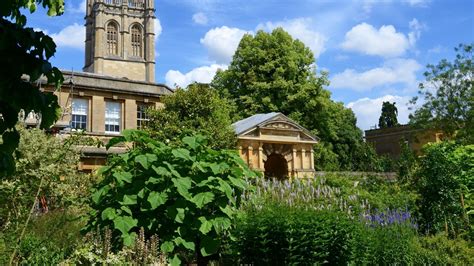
pixel 388 118
pixel 448 96
pixel 24 51
pixel 272 72
pixel 197 109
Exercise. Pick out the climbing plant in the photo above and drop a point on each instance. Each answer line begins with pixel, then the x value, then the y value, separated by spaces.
pixel 186 195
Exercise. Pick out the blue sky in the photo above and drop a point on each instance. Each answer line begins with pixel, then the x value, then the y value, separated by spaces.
pixel 374 50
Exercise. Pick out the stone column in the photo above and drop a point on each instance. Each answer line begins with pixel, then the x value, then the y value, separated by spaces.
pixel 260 156
pixel 312 159
pixel 130 114
pixel 293 162
pixel 98 114
pixel 250 156
pixel 303 154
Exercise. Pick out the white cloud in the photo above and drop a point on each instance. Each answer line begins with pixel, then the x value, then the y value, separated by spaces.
pixel 368 110
pixel 385 42
pixel 416 27
pixel 71 36
pixel 158 28
pixel 300 28
pixel 222 42
pixel 203 74
pixel 419 3
pixel 200 18
pixel 391 72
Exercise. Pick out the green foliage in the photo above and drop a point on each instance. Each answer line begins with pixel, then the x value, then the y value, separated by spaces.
pixel 40 156
pixel 272 72
pixel 49 239
pixel 284 235
pixel 383 244
pixel 440 250
pixel 187 195
pixel 448 96
pixel 406 163
pixel 388 117
pixel 197 109
pixel 445 175
pixel 32 49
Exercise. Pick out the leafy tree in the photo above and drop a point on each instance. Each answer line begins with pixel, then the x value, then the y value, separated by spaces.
pixel 272 72
pixel 195 110
pixel 24 51
pixel 448 96
pixel 187 195
pixel 388 117
pixel 444 176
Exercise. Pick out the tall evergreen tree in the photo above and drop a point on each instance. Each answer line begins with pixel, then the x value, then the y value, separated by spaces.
pixel 388 118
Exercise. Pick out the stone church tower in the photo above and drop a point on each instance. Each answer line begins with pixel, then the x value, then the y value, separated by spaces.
pixel 120 38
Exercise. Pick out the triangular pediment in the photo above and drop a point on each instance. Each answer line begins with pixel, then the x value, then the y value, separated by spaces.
pixel 273 126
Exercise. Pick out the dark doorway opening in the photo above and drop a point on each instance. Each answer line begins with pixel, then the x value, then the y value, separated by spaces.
pixel 276 166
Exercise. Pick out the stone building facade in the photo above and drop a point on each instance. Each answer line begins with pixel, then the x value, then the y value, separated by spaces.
pixel 387 141
pixel 118 82
pixel 120 38
pixel 275 145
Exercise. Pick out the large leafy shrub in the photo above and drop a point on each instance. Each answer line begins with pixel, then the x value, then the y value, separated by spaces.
pixel 445 182
pixel 282 235
pixel 440 250
pixel 186 195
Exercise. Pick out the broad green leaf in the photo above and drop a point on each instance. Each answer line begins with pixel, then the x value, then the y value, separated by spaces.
pixel 209 246
pixel 183 184
pixel 126 209
pixel 161 171
pixel 167 247
pixel 228 211
pixel 143 160
pixel 181 154
pixel 108 214
pixel 202 199
pixel 175 261
pixel 129 239
pixel 180 215
pixel 129 200
pixel 238 182
pixel 172 169
pixel 151 157
pixel 187 244
pixel 226 188
pixel 206 226
pixel 122 177
pixel 191 142
pixel 157 198
pixel 221 224
pixel 114 141
pixel 124 223
pixel 98 194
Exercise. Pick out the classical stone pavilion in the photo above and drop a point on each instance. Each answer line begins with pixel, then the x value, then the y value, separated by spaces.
pixel 274 144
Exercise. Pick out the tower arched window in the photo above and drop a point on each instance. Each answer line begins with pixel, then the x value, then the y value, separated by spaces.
pixel 136 41
pixel 112 38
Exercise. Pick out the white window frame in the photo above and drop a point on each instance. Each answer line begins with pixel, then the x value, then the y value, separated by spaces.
pixel 113 117
pixel 80 109
pixel 142 116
